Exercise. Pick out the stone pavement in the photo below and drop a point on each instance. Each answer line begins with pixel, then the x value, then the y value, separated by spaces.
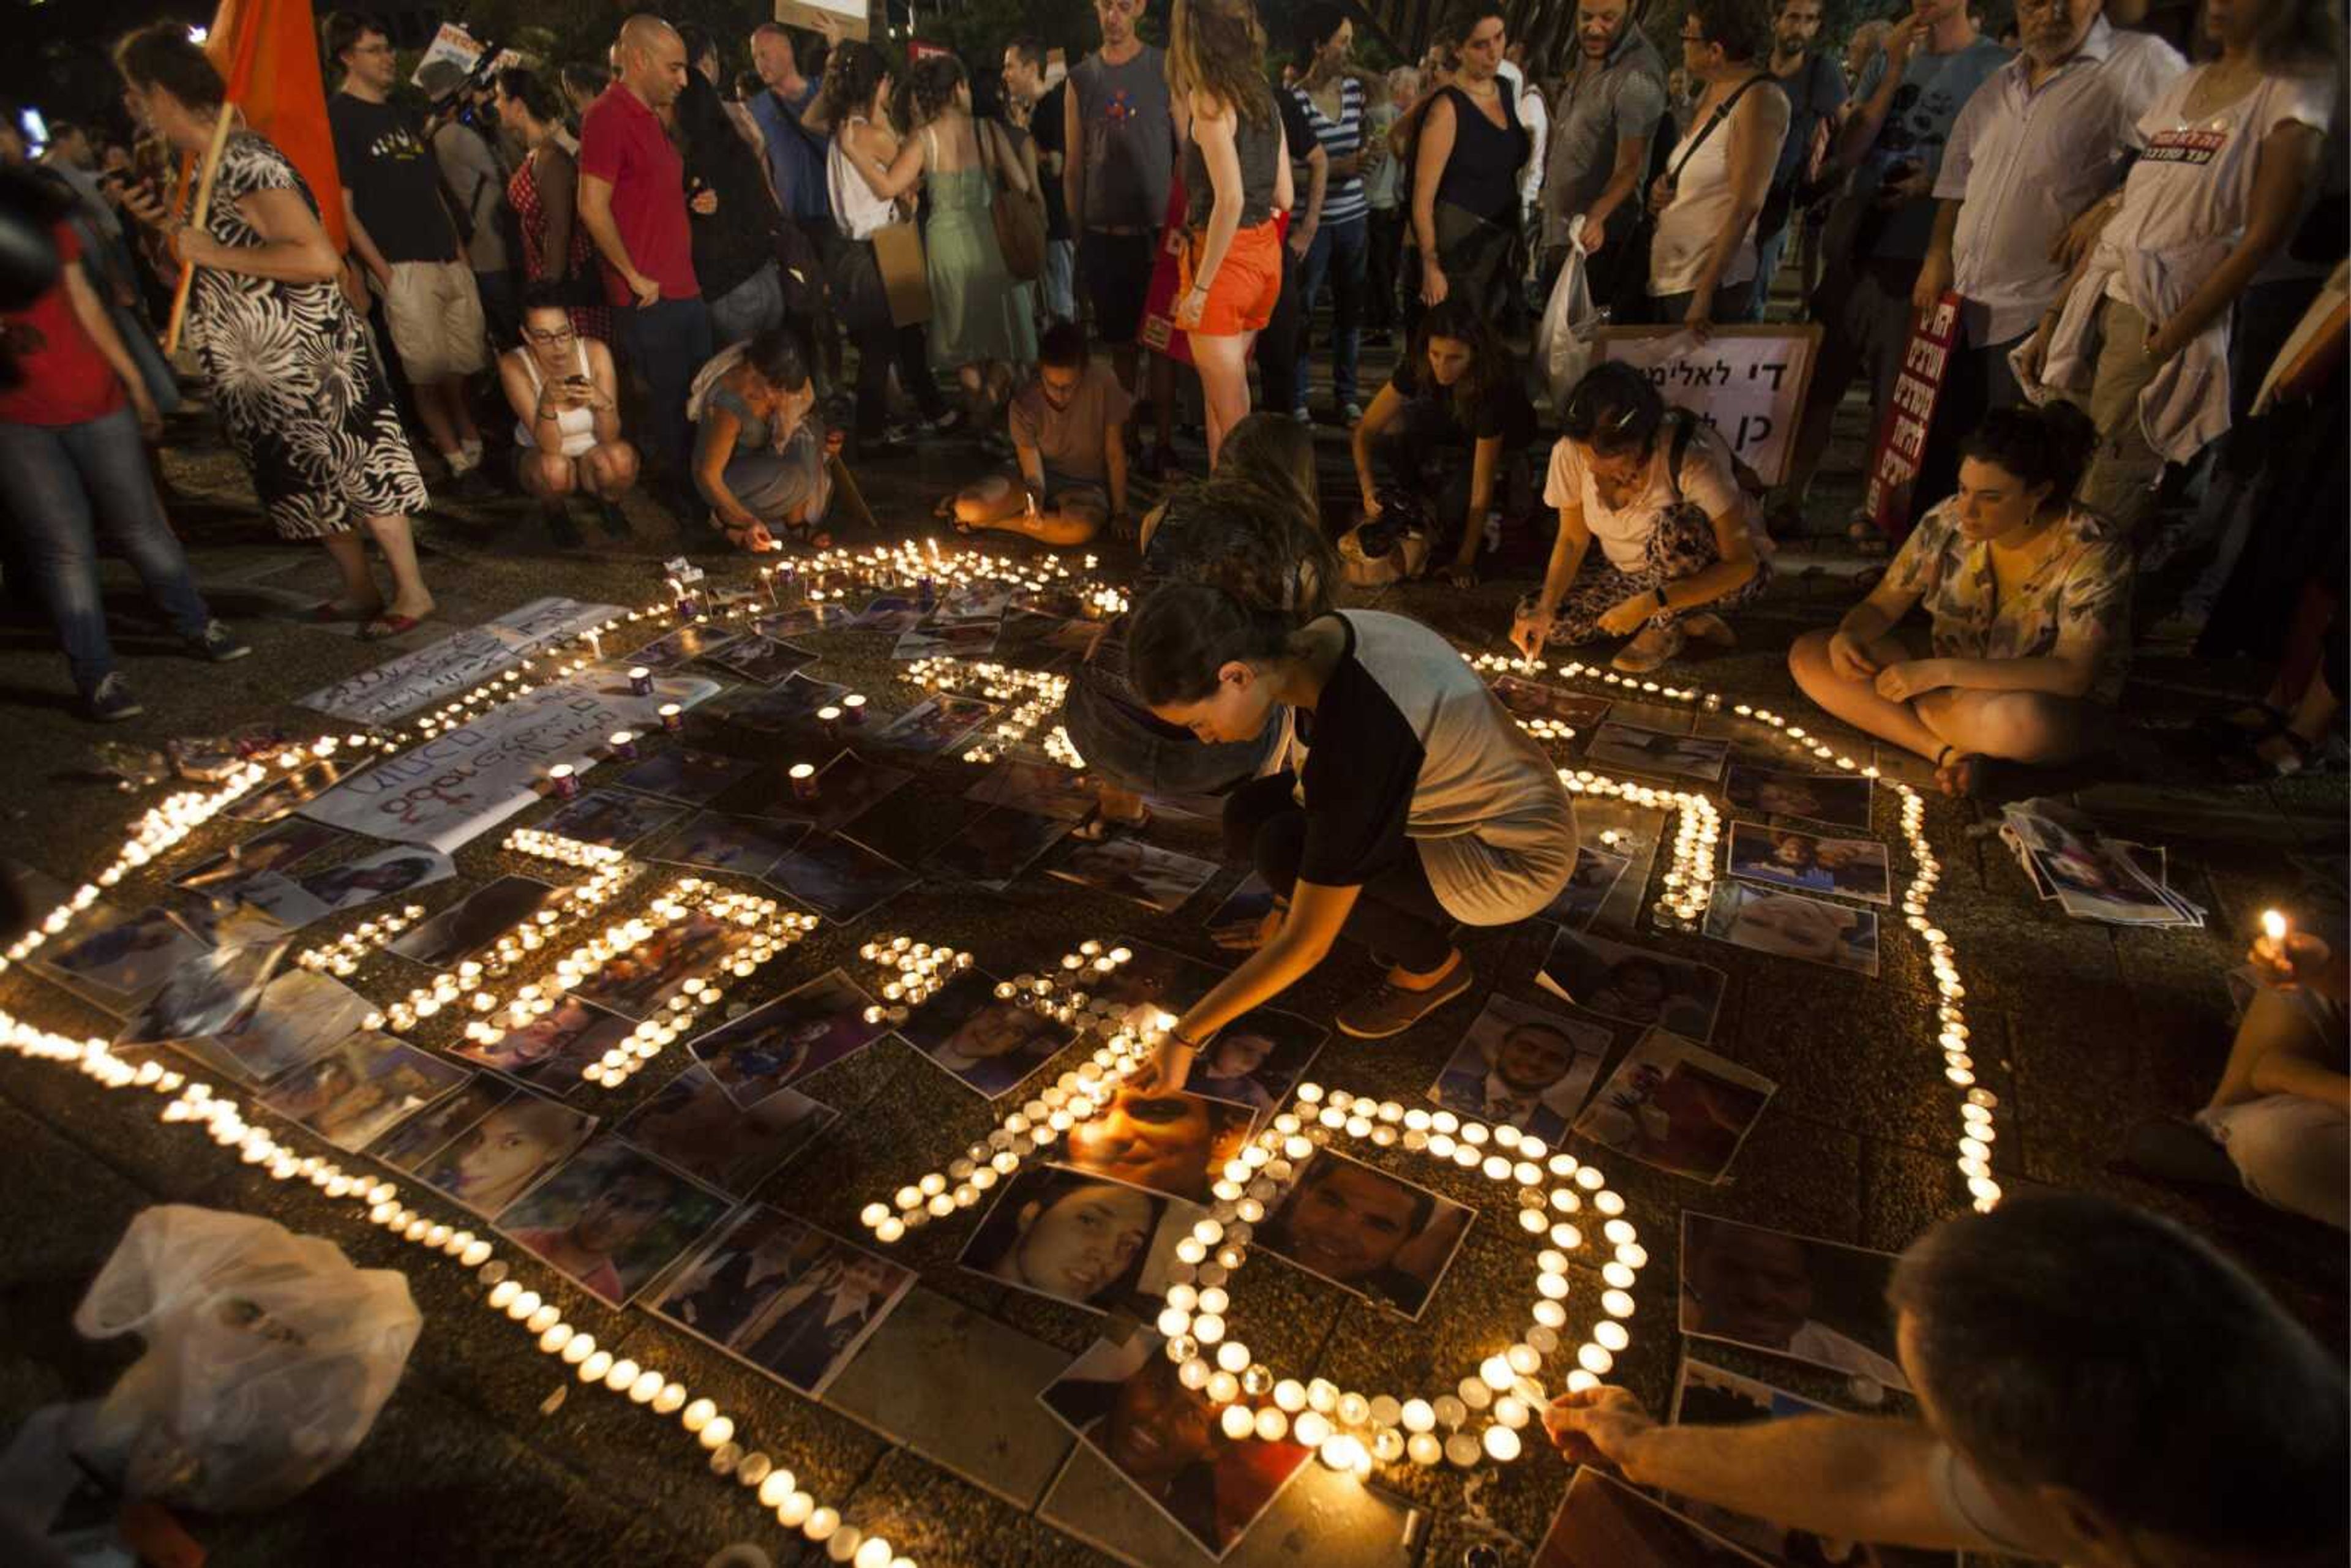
pixel 934 1437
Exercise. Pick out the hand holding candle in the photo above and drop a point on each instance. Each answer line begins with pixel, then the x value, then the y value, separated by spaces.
pixel 2292 960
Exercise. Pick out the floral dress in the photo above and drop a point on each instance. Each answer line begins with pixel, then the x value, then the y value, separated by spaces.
pixel 295 376
pixel 2078 597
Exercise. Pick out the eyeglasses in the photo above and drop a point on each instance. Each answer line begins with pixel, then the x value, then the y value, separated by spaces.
pixel 560 334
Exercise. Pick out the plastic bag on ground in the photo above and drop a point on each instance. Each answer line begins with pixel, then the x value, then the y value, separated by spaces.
pixel 268 1356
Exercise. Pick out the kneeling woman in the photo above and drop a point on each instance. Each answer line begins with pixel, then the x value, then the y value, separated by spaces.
pixel 2030 599
pixel 1414 801
pixel 1680 541
pixel 564 395
pixel 756 459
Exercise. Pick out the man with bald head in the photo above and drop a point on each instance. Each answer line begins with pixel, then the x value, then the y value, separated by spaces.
pixel 632 203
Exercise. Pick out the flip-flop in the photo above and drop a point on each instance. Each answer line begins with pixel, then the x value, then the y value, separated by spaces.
pixel 327 613
pixel 393 625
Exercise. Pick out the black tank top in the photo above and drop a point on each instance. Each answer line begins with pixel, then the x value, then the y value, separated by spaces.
pixel 1259 149
pixel 1482 176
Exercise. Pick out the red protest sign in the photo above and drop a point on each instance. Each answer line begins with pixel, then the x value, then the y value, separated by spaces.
pixel 1903 423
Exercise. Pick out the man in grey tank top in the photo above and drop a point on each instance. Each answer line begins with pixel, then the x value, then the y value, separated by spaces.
pixel 1121 153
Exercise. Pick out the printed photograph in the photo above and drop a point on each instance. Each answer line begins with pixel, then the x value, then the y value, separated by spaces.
pixel 279 848
pixel 775 1045
pixel 1656 751
pixel 1603 1523
pixel 1672 1104
pixel 1125 1403
pixel 475 922
pixel 1790 925
pixel 1170 1144
pixel 994 847
pixel 838 877
pixel 1532 699
pixel 798 621
pixel 1097 1245
pixel 610 818
pixel 1157 879
pixel 990 1045
pixel 946 640
pixel 1808 863
pixel 785 1297
pixel 1257 1060
pixel 116 959
pixel 791 706
pixel 1596 873
pixel 693 641
pixel 713 840
pixel 207 993
pixel 974 602
pixel 289 792
pixel 1026 784
pixel 355 1091
pixel 1521 1065
pixel 643 979
pixel 1633 984
pixel 1371 1234
pixel 887 612
pixel 693 1124
pixel 315 895
pixel 299 1017
pixel 553 1048
pixel 941 724
pixel 1037 641
pixel 611 1218
pixel 406 1147
pixel 1836 800
pixel 1808 1299
pixel 1239 918
pixel 761 659
pixel 846 789
pixel 498 1157
pixel 1153 977
pixel 680 773
pixel 1707 1395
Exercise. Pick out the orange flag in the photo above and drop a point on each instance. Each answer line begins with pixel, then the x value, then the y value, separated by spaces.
pixel 267 53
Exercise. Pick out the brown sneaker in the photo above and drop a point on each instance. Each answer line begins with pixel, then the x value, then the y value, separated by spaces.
pixel 1652 648
pixel 1708 627
pixel 1387 1009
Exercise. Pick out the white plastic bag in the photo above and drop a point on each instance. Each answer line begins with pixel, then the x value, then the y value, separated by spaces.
pixel 267 1357
pixel 1563 345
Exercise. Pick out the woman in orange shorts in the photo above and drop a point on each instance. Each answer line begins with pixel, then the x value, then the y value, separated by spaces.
pixel 1237 173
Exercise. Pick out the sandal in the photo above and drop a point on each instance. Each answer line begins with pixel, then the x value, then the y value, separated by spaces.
pixel 1963 775
pixel 1096 826
pixel 391 625
pixel 329 613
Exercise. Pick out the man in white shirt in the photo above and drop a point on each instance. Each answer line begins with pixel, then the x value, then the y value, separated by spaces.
pixel 2022 192
pixel 2096 1386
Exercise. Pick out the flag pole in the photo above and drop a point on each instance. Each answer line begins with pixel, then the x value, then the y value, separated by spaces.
pixel 203 209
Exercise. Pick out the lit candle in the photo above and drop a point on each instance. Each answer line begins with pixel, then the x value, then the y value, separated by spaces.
pixel 624 745
pixel 803 777
pixel 852 709
pixel 559 779
pixel 641 681
pixel 673 718
pixel 2273 928
pixel 830 718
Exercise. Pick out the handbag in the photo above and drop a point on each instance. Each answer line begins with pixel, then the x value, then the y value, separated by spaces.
pixel 1020 220
pixel 1625 291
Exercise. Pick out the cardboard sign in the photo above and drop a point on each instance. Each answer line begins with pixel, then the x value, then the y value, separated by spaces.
pixel 1902 427
pixel 453 44
pixel 847 15
pixel 458 663
pixel 898 249
pixel 456 785
pixel 1747 382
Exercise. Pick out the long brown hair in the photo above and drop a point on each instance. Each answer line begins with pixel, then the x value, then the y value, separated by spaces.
pixel 1217 48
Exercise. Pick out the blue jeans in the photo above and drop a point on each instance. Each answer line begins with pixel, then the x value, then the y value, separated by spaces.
pixel 1339 252
pixel 54 478
pixel 667 341
pixel 1768 253
pixel 1061 279
pixel 749 309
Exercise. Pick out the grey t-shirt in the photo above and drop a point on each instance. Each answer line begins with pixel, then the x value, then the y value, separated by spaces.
pixel 1626 97
pixel 1130 139
pixel 1071 440
pixel 472 174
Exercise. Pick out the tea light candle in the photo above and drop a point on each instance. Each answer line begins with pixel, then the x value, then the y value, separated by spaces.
pixel 559 779
pixel 673 718
pixel 641 681
pixel 624 745
pixel 852 709
pixel 803 777
pixel 830 718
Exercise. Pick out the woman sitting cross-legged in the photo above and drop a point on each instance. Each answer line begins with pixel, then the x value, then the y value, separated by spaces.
pixel 565 395
pixel 756 459
pixel 1414 801
pixel 1680 541
pixel 2030 597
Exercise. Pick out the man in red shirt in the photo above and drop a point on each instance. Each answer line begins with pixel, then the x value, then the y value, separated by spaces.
pixel 70 455
pixel 632 203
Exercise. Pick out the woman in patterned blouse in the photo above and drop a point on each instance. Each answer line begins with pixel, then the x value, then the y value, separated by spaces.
pixel 2030 599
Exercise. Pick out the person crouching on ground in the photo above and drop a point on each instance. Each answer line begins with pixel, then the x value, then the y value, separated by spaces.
pixel 758 460
pixel 1068 430
pixel 1414 801
pixel 2030 596
pixel 2096 1386
pixel 565 395
pixel 1680 542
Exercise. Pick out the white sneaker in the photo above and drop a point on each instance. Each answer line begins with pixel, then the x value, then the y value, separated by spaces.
pixel 462 462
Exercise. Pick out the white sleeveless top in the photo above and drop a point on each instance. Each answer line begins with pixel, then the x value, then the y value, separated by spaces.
pixel 854 205
pixel 578 424
pixel 1702 200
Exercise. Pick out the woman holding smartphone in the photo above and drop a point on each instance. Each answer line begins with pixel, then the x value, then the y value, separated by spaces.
pixel 564 395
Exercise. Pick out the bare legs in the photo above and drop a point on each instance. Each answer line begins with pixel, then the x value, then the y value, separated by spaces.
pixel 2020 727
pixel 998 503
pixel 359 593
pixel 441 407
pixel 1223 364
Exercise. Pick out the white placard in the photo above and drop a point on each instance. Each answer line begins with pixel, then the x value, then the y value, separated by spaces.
pixel 458 663
pixel 450 43
pixel 1749 382
pixel 451 788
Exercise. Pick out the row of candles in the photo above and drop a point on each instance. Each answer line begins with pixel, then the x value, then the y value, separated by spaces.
pixel 1035 695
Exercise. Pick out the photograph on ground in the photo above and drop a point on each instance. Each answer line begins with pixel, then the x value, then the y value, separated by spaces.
pixel 777 1044
pixel 360 1089
pixel 611 1218
pixel 989 1043
pixel 695 1124
pixel 788 1299
pixel 1372 1234
pixel 1836 800
pixel 1522 1065
pixel 1633 984
pixel 1170 1144
pixel 1808 863
pixel 1676 1105
pixel 1796 1296
pixel 1791 926
pixel 1084 1241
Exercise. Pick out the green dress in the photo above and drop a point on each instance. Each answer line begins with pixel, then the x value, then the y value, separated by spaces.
pixel 977 313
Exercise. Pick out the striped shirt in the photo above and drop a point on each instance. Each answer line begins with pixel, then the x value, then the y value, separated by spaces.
pixel 1343 138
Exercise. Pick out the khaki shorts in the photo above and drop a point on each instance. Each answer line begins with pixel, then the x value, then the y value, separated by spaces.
pixel 435 315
